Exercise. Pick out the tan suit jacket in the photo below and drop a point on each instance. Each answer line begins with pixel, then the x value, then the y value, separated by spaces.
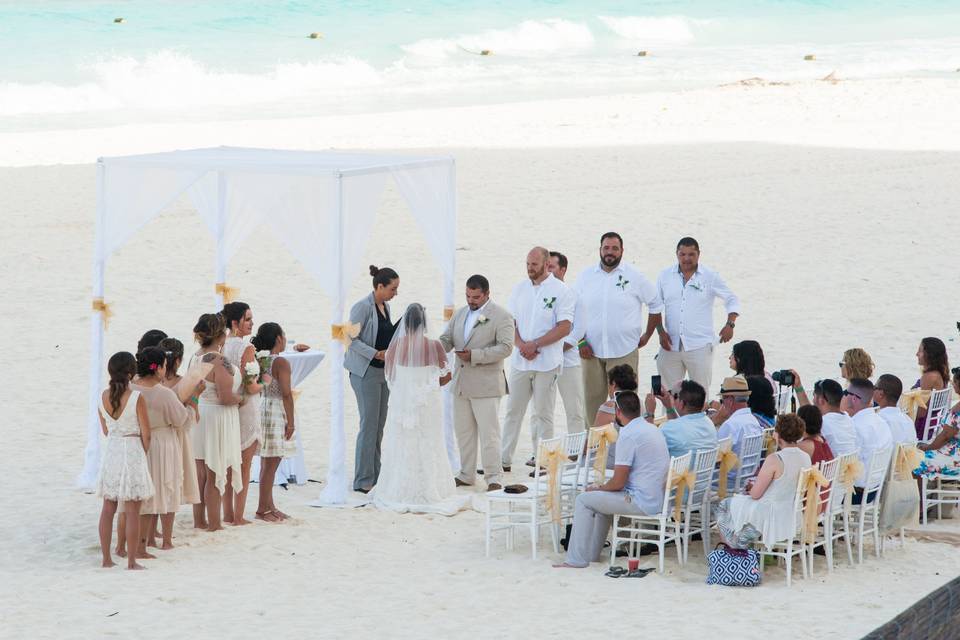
pixel 490 344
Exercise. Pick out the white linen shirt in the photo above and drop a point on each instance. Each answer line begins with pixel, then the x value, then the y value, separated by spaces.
pixel 902 429
pixel 872 435
pixel 536 310
pixel 571 357
pixel 613 308
pixel 643 448
pixel 471 321
pixel 688 306
pixel 839 432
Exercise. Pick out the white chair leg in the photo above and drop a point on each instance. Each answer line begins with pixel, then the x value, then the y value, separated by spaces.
pixel 828 544
pixel 789 563
pixel 923 499
pixel 613 541
pixel 877 543
pixel 860 538
pixel 555 534
pixel 660 547
pixel 679 543
pixel 846 538
pixel 488 532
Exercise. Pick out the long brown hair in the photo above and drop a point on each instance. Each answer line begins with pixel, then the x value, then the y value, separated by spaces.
pixel 935 357
pixel 122 366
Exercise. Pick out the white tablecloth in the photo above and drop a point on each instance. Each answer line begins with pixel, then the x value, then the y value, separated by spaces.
pixel 294 470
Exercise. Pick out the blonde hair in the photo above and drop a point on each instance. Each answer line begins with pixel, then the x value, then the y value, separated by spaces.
pixel 857 363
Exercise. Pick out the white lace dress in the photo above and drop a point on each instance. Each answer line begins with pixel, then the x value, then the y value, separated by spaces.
pixel 415 472
pixel 124 474
pixel 250 432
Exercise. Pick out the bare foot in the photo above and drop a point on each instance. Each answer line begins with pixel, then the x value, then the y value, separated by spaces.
pixel 241 522
pixel 211 530
pixel 282 515
pixel 201 524
pixel 121 552
pixel 152 543
pixel 269 516
pixel 166 546
pixel 135 567
pixel 145 555
pixel 108 563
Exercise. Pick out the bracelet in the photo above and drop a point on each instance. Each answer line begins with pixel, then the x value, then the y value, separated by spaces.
pixel 194 399
pixel 582 343
pixel 647 416
pixel 799 389
pixel 671 410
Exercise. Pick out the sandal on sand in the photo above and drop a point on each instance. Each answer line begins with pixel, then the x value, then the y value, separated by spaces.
pixel 268 516
pixel 616 572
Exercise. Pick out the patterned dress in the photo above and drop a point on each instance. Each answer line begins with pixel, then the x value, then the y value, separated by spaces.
pixel 944 461
pixel 124 473
pixel 273 421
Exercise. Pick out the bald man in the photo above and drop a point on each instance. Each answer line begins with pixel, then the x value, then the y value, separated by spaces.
pixel 542 308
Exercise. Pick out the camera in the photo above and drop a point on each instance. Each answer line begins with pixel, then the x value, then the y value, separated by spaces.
pixel 785 377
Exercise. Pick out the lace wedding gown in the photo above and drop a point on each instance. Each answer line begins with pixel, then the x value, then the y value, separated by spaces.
pixel 415 474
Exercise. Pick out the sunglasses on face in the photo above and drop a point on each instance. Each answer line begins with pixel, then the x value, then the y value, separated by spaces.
pixel 851 393
pixel 841 363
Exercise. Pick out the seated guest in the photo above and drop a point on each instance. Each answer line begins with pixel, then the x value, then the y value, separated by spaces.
pixel 838 429
pixel 887 396
pixel 765 511
pixel 761 401
pixel 933 361
pixel 943 452
pixel 636 488
pixel 735 394
pixel 813 443
pixel 872 433
pixel 620 378
pixel 690 430
pixel 856 363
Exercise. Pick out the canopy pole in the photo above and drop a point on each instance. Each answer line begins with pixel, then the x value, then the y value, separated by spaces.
pixel 453 451
pixel 220 268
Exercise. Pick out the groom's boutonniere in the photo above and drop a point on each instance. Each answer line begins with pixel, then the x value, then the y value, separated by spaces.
pixel 482 320
pixel 621 283
pixel 548 302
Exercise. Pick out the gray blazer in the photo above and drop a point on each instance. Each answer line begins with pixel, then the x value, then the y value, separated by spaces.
pixel 361 351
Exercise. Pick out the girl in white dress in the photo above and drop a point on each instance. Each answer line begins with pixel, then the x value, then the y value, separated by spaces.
pixel 124 477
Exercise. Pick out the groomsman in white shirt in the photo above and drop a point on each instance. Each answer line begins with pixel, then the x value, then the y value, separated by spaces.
pixel 612 294
pixel 543 310
pixel 687 291
pixel 570 382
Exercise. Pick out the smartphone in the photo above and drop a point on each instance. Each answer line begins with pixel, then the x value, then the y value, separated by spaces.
pixel 655 385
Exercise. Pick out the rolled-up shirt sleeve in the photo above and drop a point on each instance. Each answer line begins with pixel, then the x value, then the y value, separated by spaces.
pixel 730 300
pixel 649 294
pixel 567 307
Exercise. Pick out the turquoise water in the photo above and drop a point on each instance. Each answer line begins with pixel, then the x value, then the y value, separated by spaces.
pixel 68 63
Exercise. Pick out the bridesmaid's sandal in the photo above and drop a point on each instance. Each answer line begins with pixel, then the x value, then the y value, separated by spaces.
pixel 268 516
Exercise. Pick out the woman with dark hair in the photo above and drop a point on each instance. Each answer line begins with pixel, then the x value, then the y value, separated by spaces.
pixel 238 351
pixel 620 378
pixel 941 456
pixel 173 350
pixel 761 401
pixel 151 338
pixel 813 442
pixel 276 416
pixel 747 359
pixel 165 458
pixel 364 360
pixel 935 367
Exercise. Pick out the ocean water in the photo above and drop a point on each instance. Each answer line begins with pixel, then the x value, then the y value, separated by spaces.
pixel 69 64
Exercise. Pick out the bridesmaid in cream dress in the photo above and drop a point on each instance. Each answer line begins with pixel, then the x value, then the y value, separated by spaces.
pixel 238 351
pixel 165 457
pixel 219 417
pixel 173 349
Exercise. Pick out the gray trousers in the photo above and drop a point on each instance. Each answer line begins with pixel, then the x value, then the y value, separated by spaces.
pixel 592 517
pixel 372 397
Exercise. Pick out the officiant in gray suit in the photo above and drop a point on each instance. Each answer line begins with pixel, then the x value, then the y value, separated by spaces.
pixel 481 335
pixel 364 360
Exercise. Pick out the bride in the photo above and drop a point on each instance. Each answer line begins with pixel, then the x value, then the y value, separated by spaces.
pixel 415 473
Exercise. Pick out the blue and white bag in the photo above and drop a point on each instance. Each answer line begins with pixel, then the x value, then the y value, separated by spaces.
pixel 733 567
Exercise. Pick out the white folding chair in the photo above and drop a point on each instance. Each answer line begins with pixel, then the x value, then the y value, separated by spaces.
pixel 750 448
pixel 937 410
pixel 697 509
pixel 936 491
pixel 511 511
pixel 584 473
pixel 792 547
pixel 838 521
pixel 865 517
pixel 660 529
pixel 709 521
pixel 830 469
pixel 767 433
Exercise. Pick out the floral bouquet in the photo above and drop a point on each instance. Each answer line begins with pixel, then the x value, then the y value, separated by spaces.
pixel 251 372
pixel 263 358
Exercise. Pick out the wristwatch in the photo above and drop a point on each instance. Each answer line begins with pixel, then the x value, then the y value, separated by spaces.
pixel 732 325
pixel 647 416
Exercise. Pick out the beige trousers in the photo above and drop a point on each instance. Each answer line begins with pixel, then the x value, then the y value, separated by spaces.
pixel 541 386
pixel 477 419
pixel 570 388
pixel 697 365
pixel 595 386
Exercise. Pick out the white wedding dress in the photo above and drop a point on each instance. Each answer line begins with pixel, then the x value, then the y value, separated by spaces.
pixel 415 473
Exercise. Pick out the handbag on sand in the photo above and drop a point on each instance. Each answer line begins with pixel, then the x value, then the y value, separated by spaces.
pixel 733 567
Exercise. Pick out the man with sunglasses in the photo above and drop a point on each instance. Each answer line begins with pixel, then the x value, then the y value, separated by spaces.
pixel 838 429
pixel 688 429
pixel 872 433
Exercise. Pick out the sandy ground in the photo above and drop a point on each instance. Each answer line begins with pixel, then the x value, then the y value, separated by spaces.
pixel 829 248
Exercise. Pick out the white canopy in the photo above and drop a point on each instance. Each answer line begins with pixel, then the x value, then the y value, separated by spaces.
pixel 321 205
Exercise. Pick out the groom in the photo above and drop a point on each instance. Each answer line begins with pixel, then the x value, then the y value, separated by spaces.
pixel 481 334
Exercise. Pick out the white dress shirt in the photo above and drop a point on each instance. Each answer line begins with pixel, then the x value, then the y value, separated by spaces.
pixel 872 435
pixel 902 429
pixel 537 309
pixel 613 308
pixel 571 357
pixel 839 433
pixel 688 306
pixel 471 321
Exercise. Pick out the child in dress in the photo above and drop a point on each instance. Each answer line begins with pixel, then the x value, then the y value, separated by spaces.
pixel 124 477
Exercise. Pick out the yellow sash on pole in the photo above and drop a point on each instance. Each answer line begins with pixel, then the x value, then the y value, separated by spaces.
pixel 812 483
pixel 105 312
pixel 344 333
pixel 601 438
pixel 447 313
pixel 229 293
pixel 728 461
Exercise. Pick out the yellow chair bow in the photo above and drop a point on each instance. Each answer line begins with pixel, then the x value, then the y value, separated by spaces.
pixel 812 484
pixel 601 438
pixel 682 482
pixel 552 460
pixel 912 401
pixel 849 472
pixel 447 313
pixel 728 462
pixel 104 309
pixel 229 293
pixel 908 459
pixel 344 333
pixel 769 443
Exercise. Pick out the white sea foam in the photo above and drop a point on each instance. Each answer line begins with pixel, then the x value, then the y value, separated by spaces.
pixel 645 30
pixel 529 38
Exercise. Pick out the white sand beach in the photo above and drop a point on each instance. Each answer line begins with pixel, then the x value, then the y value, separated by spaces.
pixel 830 208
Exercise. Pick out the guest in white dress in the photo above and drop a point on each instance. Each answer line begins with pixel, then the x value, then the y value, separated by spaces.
pixel 124 477
pixel 219 417
pixel 765 512
pixel 173 349
pixel 238 351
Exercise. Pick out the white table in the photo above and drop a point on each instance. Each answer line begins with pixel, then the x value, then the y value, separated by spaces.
pixel 293 470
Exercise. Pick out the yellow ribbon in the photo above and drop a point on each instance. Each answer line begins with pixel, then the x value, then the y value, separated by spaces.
pixel 447 313
pixel 344 333
pixel 812 483
pixel 682 482
pixel 728 461
pixel 295 393
pixel 849 472
pixel 913 401
pixel 552 460
pixel 769 443
pixel 229 293
pixel 908 459
pixel 105 312
pixel 601 438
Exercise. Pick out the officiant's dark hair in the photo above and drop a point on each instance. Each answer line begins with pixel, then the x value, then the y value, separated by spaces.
pixel 267 335
pixel 477 281
pixel 150 339
pixel 382 277
pixel 234 312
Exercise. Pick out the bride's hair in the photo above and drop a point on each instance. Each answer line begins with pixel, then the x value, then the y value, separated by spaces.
pixel 415 318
